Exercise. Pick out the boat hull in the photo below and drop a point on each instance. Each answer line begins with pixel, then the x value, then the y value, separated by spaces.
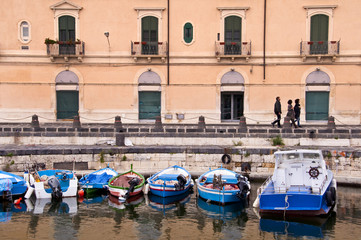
pixel 219 196
pixel 122 191
pixel 97 180
pixel 163 183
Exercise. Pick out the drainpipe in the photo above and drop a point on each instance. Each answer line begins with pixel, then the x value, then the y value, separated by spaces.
pixel 168 43
pixel 264 40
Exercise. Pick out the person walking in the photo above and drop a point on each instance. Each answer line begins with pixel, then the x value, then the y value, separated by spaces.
pixel 291 113
pixel 297 110
pixel 278 112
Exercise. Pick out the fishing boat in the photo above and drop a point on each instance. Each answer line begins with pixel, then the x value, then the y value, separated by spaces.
pixel 97 180
pixel 126 184
pixel 11 185
pixel 223 186
pixel 300 185
pixel 171 181
pixel 52 183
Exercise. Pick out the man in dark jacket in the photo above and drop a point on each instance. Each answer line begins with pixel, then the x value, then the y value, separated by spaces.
pixel 277 110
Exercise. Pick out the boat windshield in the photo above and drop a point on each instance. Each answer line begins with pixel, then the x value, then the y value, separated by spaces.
pixel 287 157
pixel 312 156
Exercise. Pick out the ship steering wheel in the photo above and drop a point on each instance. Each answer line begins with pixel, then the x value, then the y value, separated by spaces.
pixel 314 172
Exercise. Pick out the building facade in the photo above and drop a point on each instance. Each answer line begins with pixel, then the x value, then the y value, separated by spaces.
pixel 139 59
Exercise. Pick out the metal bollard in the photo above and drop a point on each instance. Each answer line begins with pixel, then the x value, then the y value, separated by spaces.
pixel 242 124
pixel 118 124
pixel 158 124
pixel 287 123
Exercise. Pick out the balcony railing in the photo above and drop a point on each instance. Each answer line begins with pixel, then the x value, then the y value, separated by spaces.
pixel 65 49
pixel 149 48
pixel 319 48
pixel 233 49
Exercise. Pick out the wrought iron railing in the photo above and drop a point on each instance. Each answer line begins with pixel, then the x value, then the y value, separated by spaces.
pixel 320 47
pixel 65 49
pixel 149 48
pixel 233 48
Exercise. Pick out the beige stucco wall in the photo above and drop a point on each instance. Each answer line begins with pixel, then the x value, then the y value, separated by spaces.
pixel 108 74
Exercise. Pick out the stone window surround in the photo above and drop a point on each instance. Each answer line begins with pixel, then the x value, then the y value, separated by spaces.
pixel 233 11
pixel 65 8
pixel 319 9
pixel 193 32
pixel 145 12
pixel 20 33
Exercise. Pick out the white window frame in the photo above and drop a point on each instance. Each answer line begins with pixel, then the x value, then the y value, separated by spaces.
pixel 233 11
pixel 315 10
pixel 21 36
pixel 145 12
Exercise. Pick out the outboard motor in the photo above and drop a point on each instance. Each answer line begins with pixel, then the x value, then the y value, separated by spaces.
pixel 181 182
pixel 243 186
pixel 132 183
pixel 54 183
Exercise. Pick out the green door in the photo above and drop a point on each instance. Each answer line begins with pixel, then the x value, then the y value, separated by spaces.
pixel 67 104
pixel 232 35
pixel 317 105
pixel 149 105
pixel 150 36
pixel 319 34
pixel 231 106
pixel 66 35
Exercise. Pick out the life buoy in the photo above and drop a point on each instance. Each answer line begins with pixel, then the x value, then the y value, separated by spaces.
pixel 333 193
pixel 226 159
pixel 329 198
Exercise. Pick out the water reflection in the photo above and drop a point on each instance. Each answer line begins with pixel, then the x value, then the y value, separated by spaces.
pixel 7 209
pixel 64 206
pixel 177 202
pixel 298 227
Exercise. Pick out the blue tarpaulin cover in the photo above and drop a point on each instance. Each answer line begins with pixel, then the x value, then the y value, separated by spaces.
pixel 5 184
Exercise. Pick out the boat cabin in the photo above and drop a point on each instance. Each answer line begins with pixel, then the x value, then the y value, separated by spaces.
pixel 299 171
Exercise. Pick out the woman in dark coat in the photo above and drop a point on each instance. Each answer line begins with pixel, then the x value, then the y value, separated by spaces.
pixel 291 113
pixel 297 110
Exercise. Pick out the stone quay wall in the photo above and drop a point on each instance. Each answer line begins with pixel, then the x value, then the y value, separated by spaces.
pixel 150 147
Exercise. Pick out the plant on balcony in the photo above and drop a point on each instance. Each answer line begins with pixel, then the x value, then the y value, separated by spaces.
pixel 49 41
pixel 144 43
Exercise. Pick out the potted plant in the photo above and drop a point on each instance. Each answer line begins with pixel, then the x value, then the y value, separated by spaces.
pixel 49 41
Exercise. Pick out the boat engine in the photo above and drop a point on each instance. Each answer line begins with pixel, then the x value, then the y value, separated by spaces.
pixel 54 184
pixel 181 182
pixel 243 186
pixel 132 183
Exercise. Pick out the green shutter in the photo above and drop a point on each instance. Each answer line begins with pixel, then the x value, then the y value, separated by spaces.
pixel 67 104
pixel 188 32
pixel 319 34
pixel 66 28
pixel 317 104
pixel 150 35
pixel 149 105
pixel 232 29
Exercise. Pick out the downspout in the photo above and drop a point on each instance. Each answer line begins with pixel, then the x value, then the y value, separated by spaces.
pixel 264 40
pixel 168 42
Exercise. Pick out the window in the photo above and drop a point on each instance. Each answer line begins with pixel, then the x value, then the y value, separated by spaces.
pixel 67 35
pixel 188 32
pixel 150 35
pixel 231 105
pixel 67 95
pixel 24 32
pixel 232 35
pixel 149 93
pixel 319 34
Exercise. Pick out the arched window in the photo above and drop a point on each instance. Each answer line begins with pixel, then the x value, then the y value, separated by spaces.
pixel 24 31
pixel 67 35
pixel 150 35
pixel 188 32
pixel 319 34
pixel 233 35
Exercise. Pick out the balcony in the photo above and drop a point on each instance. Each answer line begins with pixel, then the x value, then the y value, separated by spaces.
pixel 66 50
pixel 233 50
pixel 319 49
pixel 149 50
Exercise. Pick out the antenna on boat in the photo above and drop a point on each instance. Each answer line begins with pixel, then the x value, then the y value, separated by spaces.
pixel 131 166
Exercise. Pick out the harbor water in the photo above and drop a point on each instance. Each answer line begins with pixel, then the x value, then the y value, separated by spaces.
pixel 184 217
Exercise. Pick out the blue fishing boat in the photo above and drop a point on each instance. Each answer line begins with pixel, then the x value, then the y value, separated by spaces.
pixel 171 181
pixel 223 186
pixel 11 184
pixel 300 185
pixel 52 183
pixel 97 180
